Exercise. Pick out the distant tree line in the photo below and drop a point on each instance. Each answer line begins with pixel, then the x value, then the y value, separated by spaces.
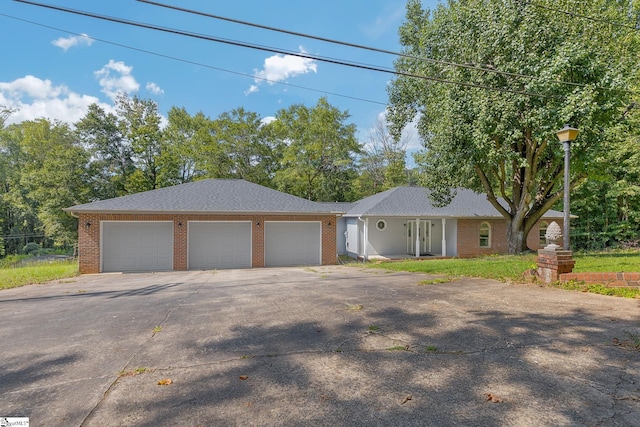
pixel 311 152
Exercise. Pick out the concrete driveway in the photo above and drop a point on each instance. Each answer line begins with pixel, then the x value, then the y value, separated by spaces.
pixel 315 346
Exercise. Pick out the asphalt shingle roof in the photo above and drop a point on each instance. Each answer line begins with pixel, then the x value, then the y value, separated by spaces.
pixel 415 202
pixel 206 196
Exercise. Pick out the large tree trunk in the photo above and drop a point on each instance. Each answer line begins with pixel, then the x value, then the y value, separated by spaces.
pixel 516 238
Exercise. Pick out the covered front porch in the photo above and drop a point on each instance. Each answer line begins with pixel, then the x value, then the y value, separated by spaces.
pixel 400 237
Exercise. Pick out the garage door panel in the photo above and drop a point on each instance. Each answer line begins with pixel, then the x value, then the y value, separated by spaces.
pixel 137 246
pixel 292 243
pixel 219 244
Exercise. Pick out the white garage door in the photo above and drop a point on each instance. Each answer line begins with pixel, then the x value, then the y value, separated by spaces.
pixel 137 246
pixel 292 243
pixel 221 244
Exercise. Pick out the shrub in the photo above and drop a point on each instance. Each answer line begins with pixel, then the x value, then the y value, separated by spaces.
pixel 31 248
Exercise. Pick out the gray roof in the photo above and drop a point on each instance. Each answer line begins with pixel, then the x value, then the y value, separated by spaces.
pixel 415 202
pixel 206 196
pixel 338 206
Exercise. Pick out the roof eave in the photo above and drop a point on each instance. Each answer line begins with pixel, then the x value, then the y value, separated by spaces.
pixel 157 212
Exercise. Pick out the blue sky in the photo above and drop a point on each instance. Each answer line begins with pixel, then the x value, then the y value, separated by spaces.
pixel 57 74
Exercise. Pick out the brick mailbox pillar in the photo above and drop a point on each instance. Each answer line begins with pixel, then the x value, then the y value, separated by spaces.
pixel 552 262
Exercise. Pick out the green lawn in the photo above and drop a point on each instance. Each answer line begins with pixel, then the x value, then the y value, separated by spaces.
pixel 511 267
pixel 500 267
pixel 37 273
pixel 605 262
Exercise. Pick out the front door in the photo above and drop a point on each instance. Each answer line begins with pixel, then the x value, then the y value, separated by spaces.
pixel 419 236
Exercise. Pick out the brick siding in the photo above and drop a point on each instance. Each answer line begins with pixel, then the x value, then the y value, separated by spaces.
pixel 469 237
pixel 89 235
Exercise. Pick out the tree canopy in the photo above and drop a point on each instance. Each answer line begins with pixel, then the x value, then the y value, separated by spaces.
pixel 524 70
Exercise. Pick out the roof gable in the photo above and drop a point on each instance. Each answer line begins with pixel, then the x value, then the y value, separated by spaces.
pixel 206 196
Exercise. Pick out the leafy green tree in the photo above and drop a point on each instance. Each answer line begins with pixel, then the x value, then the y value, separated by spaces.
pixel 382 163
pixel 185 139
pixel 52 170
pixel 608 204
pixel 112 163
pixel 248 150
pixel 18 210
pixel 319 158
pixel 502 142
pixel 139 122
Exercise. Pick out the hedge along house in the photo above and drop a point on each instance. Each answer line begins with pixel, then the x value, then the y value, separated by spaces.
pixel 403 222
pixel 208 224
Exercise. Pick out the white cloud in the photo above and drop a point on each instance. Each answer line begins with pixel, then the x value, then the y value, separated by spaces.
pixel 154 88
pixel 267 120
pixel 252 88
pixel 32 87
pixel 280 67
pixel 115 77
pixel 66 43
pixel 33 98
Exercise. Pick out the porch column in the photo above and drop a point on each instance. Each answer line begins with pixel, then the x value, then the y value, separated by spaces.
pixel 417 237
pixel 444 237
pixel 366 239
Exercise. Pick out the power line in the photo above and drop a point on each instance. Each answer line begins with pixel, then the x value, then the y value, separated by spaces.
pixel 283 51
pixel 359 46
pixel 186 61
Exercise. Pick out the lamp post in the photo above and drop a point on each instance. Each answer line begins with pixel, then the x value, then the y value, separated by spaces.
pixel 566 135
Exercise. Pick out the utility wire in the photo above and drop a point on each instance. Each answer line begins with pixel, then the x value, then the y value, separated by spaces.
pixel 282 51
pixel 359 46
pixel 186 61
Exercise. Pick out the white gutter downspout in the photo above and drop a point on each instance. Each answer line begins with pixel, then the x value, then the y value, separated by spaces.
pixel 444 237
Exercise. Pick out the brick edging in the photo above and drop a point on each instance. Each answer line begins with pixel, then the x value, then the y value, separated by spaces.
pixel 617 280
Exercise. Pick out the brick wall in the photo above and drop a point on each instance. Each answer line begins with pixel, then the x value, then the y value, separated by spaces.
pixel 469 237
pixel 89 235
pixel 617 280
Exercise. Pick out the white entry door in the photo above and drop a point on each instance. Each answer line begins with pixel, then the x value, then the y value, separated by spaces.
pixel 419 235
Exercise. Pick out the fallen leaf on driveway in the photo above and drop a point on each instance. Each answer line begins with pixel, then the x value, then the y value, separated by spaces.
pixel 406 399
pixel 165 381
pixel 244 377
pixel 493 398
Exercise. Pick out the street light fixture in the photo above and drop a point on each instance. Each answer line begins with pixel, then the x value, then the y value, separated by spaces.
pixel 566 135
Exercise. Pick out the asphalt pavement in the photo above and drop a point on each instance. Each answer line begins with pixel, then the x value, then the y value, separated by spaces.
pixel 333 345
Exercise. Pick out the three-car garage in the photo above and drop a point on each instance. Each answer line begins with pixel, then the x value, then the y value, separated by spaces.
pixel 204 225
pixel 130 246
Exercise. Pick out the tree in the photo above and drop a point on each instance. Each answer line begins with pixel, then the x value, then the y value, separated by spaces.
pixel 608 204
pixel 139 123
pixel 112 163
pixel 382 164
pixel 318 160
pixel 248 149
pixel 185 140
pixel 502 142
pixel 51 175
pixel 18 210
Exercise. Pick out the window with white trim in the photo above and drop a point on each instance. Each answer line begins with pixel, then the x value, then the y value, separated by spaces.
pixel 381 224
pixel 485 235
